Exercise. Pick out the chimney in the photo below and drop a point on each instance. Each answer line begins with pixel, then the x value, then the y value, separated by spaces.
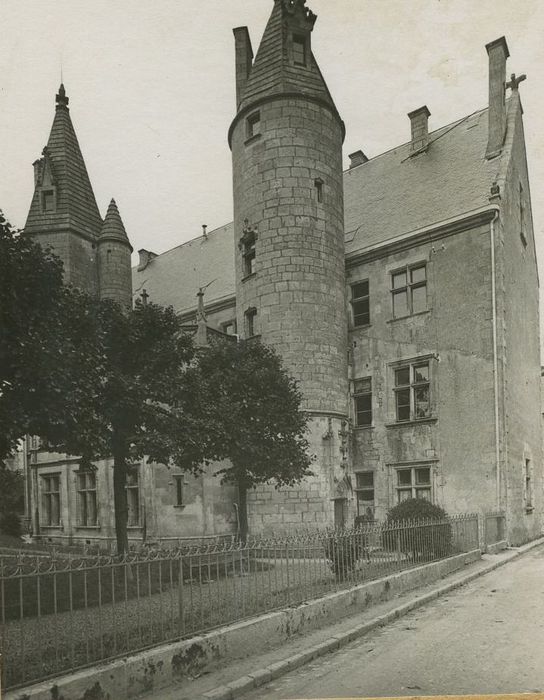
pixel 357 158
pixel 146 256
pixel 243 59
pixel 498 53
pixel 419 123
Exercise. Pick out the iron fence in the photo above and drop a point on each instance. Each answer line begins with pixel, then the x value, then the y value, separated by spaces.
pixel 60 613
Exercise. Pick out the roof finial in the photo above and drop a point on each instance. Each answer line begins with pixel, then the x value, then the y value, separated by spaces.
pixel 515 81
pixel 61 99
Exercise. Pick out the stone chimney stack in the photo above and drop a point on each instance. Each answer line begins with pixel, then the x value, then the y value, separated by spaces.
pixel 357 158
pixel 498 53
pixel 419 123
pixel 243 59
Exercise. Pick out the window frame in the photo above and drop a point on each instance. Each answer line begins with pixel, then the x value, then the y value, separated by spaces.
pixel 249 322
pixel 360 393
pixel 179 481
pixel 130 489
pixel 360 300
pixel 48 194
pixel 252 120
pixel 299 40
pixel 249 254
pixel 413 386
pixel 413 486
pixel 408 288
pixel 528 486
pixel 361 488
pixel 86 493
pixel 48 496
pixel 231 323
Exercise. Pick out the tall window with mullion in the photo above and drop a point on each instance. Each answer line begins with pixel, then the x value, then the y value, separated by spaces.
pixel 86 499
pixel 409 290
pixel 412 392
pixel 362 394
pixel 133 498
pixel 360 305
pixel 413 482
pixel 50 499
pixel 364 488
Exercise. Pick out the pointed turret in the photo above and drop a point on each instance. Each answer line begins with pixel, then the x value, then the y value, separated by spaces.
pixel 63 212
pixel 114 269
pixel 284 64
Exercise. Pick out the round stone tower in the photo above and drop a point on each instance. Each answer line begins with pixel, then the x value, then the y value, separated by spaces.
pixel 286 141
pixel 113 253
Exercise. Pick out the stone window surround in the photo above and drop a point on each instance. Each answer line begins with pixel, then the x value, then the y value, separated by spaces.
pixel 408 288
pixel 358 393
pixel 48 496
pixel 86 492
pixel 416 483
pixel 360 300
pixel 362 488
pixel 429 359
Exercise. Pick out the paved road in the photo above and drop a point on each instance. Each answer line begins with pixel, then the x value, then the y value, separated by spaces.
pixel 487 637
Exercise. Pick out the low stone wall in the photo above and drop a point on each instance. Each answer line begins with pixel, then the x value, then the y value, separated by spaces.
pixel 161 666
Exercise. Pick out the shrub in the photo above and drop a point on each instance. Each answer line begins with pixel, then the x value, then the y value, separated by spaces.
pixel 418 528
pixel 343 550
pixel 10 524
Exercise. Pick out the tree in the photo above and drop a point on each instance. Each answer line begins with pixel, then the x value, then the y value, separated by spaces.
pixel 39 379
pixel 252 409
pixel 135 403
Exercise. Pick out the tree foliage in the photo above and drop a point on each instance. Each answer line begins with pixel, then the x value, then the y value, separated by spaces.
pixel 252 408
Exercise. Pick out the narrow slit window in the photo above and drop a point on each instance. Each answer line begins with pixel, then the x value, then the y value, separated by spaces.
pixel 318 184
pixel 250 318
pixel 253 123
pixel 362 395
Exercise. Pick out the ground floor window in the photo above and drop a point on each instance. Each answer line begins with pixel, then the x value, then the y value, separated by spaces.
pixel 87 510
pixel 133 498
pixel 51 499
pixel 364 488
pixel 413 482
pixel 179 480
pixel 528 485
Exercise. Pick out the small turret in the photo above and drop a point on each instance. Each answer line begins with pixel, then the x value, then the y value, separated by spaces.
pixel 114 250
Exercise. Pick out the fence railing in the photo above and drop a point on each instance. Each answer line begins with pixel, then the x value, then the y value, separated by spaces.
pixel 60 613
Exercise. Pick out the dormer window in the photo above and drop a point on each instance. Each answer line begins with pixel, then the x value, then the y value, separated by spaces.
pixel 299 50
pixel 48 200
pixel 253 125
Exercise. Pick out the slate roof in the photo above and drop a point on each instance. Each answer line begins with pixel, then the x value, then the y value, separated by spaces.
pixel 390 195
pixel 113 228
pixel 174 277
pixel 393 194
pixel 273 72
pixel 76 206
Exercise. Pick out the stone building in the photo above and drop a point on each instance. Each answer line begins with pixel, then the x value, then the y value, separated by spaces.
pixel 401 293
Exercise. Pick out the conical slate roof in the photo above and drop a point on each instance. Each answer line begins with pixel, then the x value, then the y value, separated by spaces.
pixel 273 71
pixel 65 170
pixel 113 228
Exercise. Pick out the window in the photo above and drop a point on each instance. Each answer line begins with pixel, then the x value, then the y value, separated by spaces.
pixel 179 481
pixel 363 401
pixel 528 485
pixel 360 307
pixel 253 125
pixel 412 392
pixel 250 317
pixel 229 327
pixel 364 488
pixel 299 50
pixel 51 499
pixel 133 498
pixel 86 499
pixel 413 482
pixel 409 290
pixel 318 184
pixel 248 254
pixel 48 200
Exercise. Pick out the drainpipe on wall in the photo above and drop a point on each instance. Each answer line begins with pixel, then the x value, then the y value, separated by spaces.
pixel 495 360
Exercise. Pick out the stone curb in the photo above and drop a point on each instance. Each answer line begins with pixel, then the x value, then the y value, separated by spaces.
pixel 261 676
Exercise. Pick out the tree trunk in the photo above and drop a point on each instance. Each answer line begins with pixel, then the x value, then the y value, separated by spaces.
pixel 120 506
pixel 242 510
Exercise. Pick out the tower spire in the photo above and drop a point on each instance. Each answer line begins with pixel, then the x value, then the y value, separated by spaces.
pixel 61 99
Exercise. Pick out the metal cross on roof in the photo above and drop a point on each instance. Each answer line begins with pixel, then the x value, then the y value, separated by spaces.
pixel 145 297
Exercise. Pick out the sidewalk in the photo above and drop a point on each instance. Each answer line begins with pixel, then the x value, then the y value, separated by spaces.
pixel 230 682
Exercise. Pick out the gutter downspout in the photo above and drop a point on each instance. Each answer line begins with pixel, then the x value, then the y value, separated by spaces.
pixel 495 361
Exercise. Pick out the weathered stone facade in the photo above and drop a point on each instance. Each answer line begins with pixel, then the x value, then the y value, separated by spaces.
pixel 402 294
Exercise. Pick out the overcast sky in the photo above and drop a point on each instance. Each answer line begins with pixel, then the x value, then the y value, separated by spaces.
pixel 151 88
